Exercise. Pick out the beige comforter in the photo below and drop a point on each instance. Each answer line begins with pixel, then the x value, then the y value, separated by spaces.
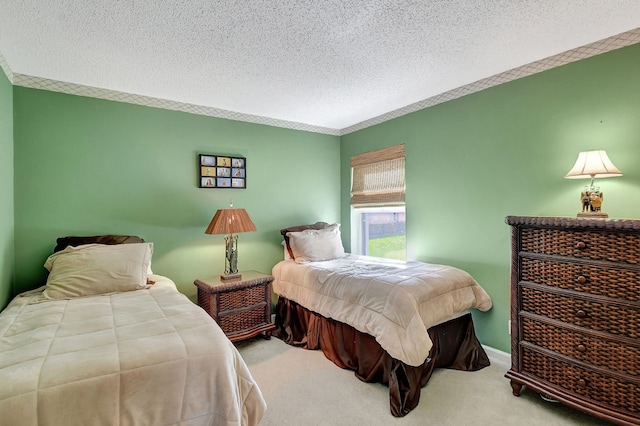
pixel 144 357
pixel 395 302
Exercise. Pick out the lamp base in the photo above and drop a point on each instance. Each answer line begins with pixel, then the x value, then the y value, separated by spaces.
pixel 231 277
pixel 593 215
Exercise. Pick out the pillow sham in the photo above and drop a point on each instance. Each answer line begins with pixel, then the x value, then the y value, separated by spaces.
pixel 299 228
pixel 93 269
pixel 314 245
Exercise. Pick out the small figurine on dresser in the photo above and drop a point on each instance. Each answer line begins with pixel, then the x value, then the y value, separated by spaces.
pixel 591 199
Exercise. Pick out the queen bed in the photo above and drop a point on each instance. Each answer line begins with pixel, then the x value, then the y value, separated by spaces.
pixel 391 322
pixel 107 342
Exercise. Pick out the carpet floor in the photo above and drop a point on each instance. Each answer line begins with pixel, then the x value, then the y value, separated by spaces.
pixel 302 387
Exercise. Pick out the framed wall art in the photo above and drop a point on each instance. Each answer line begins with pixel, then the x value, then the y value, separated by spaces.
pixel 222 171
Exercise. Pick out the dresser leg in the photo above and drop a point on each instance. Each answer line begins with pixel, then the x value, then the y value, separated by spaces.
pixel 267 335
pixel 517 387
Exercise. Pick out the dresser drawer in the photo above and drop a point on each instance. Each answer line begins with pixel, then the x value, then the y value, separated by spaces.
pixel 613 392
pixel 582 244
pixel 249 296
pixel 582 346
pixel 618 283
pixel 591 314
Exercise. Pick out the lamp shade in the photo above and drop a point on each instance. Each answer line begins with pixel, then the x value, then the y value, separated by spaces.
pixel 593 164
pixel 230 221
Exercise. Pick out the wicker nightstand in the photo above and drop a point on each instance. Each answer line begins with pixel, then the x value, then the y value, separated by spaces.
pixel 242 308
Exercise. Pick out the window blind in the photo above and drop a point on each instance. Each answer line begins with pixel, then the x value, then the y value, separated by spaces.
pixel 378 177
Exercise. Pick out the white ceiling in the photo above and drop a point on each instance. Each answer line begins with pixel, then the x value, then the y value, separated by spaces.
pixel 325 63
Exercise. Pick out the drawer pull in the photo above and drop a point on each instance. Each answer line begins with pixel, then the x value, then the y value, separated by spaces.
pixel 581 314
pixel 582 348
pixel 581 245
pixel 582 279
pixel 582 383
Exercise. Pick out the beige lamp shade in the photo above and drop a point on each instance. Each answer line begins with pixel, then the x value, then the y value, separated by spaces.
pixel 230 221
pixel 593 164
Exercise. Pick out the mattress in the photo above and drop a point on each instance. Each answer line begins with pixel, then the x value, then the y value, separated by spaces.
pixel 143 357
pixel 393 301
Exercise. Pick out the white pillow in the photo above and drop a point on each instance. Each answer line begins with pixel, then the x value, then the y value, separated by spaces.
pixel 313 245
pixel 92 269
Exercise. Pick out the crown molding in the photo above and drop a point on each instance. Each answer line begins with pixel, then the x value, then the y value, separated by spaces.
pixel 114 95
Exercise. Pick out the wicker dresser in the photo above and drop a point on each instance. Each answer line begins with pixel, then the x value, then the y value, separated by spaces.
pixel 242 308
pixel 575 313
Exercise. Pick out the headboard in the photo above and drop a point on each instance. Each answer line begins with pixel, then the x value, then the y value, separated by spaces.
pixel 63 242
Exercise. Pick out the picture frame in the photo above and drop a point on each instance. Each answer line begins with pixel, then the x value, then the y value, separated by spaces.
pixel 222 171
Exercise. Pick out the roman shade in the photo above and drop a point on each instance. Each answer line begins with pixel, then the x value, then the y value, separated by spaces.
pixel 378 177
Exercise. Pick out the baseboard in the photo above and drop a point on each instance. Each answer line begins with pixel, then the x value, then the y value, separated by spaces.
pixel 497 357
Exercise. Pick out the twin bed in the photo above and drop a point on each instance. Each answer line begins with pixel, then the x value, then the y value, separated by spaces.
pixel 107 342
pixel 391 322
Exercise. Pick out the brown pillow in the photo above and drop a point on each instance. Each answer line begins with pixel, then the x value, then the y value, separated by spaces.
pixel 64 242
pixel 283 232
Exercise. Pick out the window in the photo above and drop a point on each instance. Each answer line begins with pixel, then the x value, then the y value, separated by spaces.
pixel 377 200
pixel 381 232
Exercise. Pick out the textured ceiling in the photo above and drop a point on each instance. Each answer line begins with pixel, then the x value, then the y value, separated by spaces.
pixel 329 64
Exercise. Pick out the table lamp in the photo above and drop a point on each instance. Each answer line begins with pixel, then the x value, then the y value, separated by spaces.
pixel 592 164
pixel 230 222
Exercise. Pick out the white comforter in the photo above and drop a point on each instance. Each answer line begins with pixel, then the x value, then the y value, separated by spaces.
pixel 395 302
pixel 144 357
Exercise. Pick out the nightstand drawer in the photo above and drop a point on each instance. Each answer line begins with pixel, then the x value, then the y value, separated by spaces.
pixel 244 320
pixel 591 314
pixel 623 395
pixel 249 296
pixel 611 246
pixel 582 346
pixel 612 282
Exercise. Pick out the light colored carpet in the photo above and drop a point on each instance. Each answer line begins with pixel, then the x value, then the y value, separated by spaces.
pixel 302 387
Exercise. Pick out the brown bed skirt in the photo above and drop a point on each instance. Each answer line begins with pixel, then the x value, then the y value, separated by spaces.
pixel 455 346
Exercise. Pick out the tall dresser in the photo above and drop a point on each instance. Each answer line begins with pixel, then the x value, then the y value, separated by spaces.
pixel 575 313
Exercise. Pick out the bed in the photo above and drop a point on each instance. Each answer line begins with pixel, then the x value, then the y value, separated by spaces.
pixel 107 342
pixel 391 322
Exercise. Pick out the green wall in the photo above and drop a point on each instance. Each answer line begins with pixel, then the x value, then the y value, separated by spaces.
pixel 6 190
pixel 504 151
pixel 86 166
